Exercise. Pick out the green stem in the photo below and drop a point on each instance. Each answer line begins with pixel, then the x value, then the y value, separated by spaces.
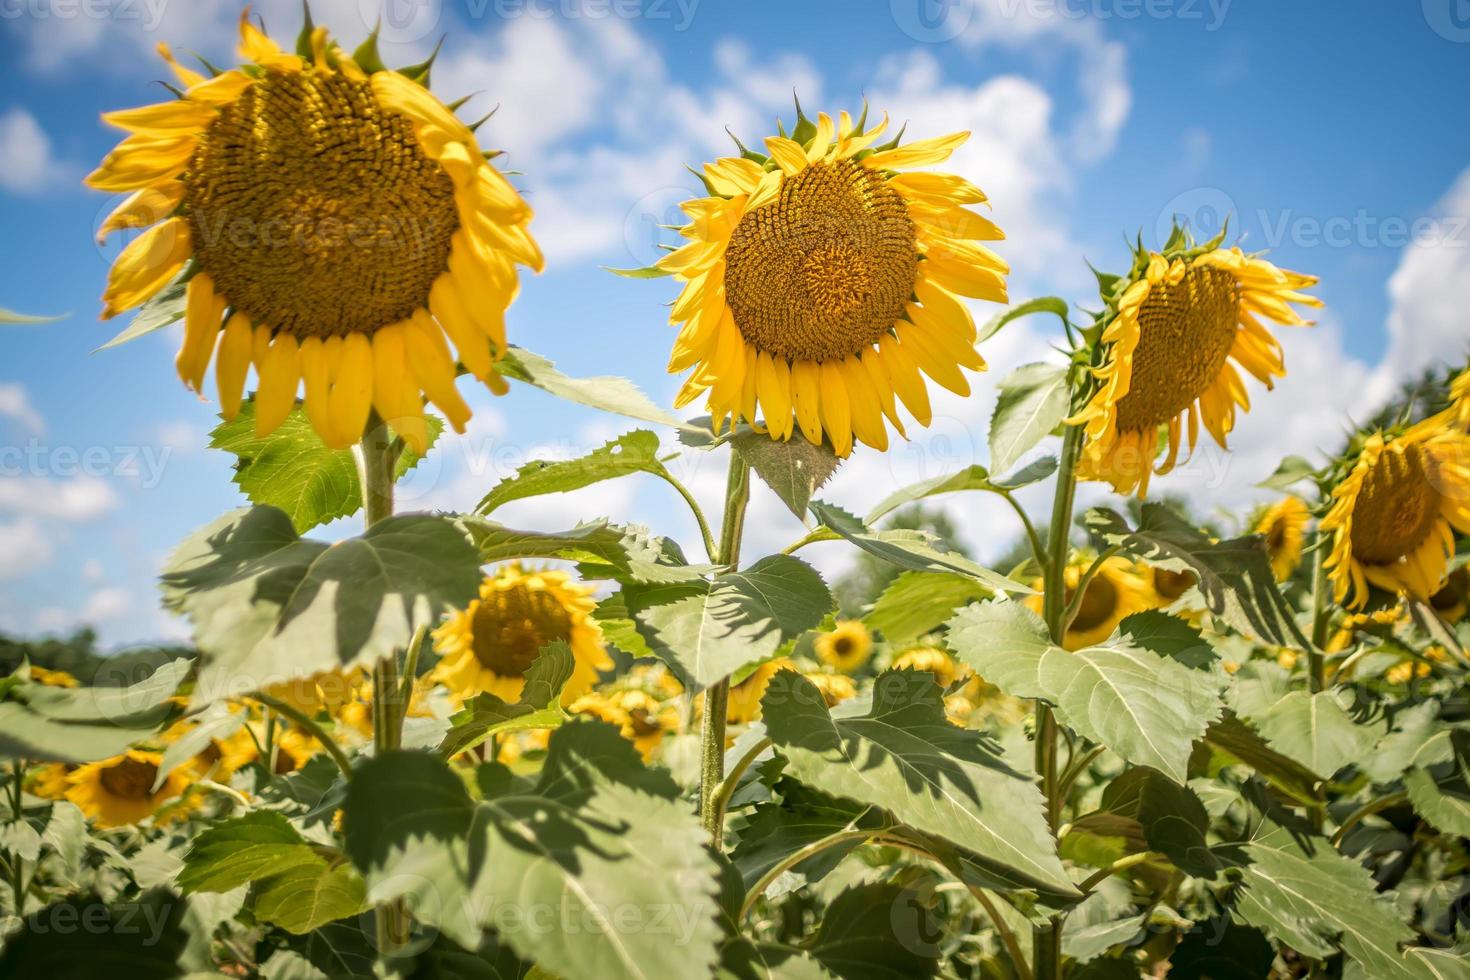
pixel 710 547
pixel 720 802
pixel 310 725
pixel 1038 549
pixel 1122 864
pixel 792 860
pixel 1075 603
pixel 377 460
pixel 1321 609
pixel 1365 811
pixel 1046 939
pixel 717 697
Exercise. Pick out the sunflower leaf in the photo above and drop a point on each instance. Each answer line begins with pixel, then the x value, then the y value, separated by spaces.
pixel 10 316
pixel 628 554
pixel 85 724
pixel 905 757
pixel 1438 784
pixel 917 603
pixel 708 629
pixel 219 722
pixel 1234 577
pixel 908 549
pixel 236 852
pixel 632 452
pixel 775 831
pixel 309 895
pixel 486 715
pixel 1315 731
pixel 1034 400
pixel 268 605
pixel 1293 470
pixel 794 469
pixel 113 942
pixel 166 307
pixel 746 959
pixel 294 470
pixel 1238 741
pixel 1146 707
pixel 878 931
pixel 1042 304
pixel 1173 820
pixel 646 272
pixel 608 394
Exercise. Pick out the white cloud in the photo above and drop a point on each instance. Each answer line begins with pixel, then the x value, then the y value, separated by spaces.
pixel 25 547
pixel 78 499
pixel 27 165
pixel 105 604
pixel 1430 290
pixel 15 404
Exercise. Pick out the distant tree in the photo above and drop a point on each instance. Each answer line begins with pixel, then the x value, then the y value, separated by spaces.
pixel 78 655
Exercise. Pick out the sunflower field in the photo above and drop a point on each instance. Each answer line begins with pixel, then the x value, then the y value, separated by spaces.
pixel 1158 741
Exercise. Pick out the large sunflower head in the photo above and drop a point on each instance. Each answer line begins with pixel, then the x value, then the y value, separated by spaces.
pixel 487 646
pixel 1394 514
pixel 1178 331
pixel 1284 526
pixel 1460 398
pixel 820 281
pixel 335 223
pixel 847 647
pixel 1114 593
pixel 119 791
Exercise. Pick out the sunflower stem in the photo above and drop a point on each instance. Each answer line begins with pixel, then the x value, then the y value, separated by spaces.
pixel 1316 659
pixel 1046 939
pixel 717 697
pixel 308 724
pixel 377 460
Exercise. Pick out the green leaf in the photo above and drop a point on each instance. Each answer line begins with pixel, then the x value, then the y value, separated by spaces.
pixel 1293 470
pixel 794 469
pixel 1042 304
pixel 709 629
pixel 1221 950
pixel 294 470
pixel 1147 708
pixel 163 309
pixel 308 896
pixel 618 628
pixel 1172 818
pixel 268 605
pixel 1412 728
pixel 85 724
pixel 608 394
pixel 905 756
pixel 1034 399
pixel 970 478
pixel 10 316
pixel 909 549
pixel 775 831
pixel 219 722
pixel 85 936
pixel 602 550
pixel 1238 741
pixel 1437 783
pixel 632 452
pixel 1234 576
pixel 879 931
pixel 647 272
pixel 1307 896
pixel 1314 730
pixel 1086 937
pixel 918 603
pixel 236 852
pixel 539 706
pixel 745 959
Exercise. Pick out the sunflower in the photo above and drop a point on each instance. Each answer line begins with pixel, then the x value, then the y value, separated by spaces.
pixel 835 688
pixel 293 749
pixel 846 648
pixel 1178 327
pixel 1284 526
pixel 52 678
pixel 933 660
pixel 1460 398
pixel 1450 602
pixel 327 691
pixel 119 791
pixel 488 646
pixel 334 222
pixel 1116 592
pixel 1394 515
pixel 50 781
pixel 1168 586
pixel 819 281
pixel 642 719
pixel 744 705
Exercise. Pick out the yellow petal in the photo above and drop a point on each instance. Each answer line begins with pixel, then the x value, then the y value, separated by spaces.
pixel 433 365
pixel 773 383
pixel 142 161
pixel 352 392
pixel 232 364
pixel 316 376
pixel 401 94
pixel 280 376
pixel 187 76
pixel 469 340
pixel 836 408
pixel 806 399
pixel 146 266
pixel 143 208
pixel 201 324
pixel 908 384
pixel 863 402
pixel 222 89
pixel 788 154
pixel 169 119
pixel 920 153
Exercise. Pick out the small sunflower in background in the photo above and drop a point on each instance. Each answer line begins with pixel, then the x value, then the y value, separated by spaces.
pixel 744 705
pixel 835 688
pixel 1116 592
pixel 821 283
pixel 1393 516
pixel 488 646
pixel 52 678
pixel 846 648
pixel 642 719
pixel 1181 327
pixel 119 791
pixel 1284 526
pixel 334 221
pixel 934 660
pixel 1451 602
pixel 1168 586
pixel 293 749
pixel 327 691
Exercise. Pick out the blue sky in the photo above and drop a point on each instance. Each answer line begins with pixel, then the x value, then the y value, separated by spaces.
pixel 1332 133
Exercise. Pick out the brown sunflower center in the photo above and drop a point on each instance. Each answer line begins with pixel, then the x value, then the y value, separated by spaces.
pixel 1276 536
pixel 1172 585
pixel 842 646
pixel 821 272
pixel 514 624
pixel 129 779
pixel 315 210
pixel 1098 604
pixel 1186 331
pixel 1396 509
